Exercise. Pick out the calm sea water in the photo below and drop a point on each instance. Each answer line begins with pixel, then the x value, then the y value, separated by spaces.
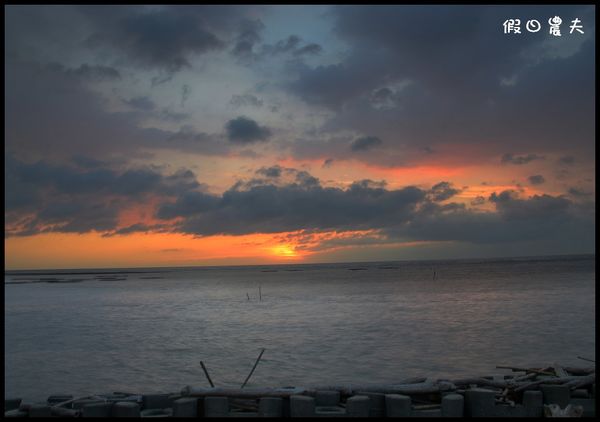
pixel 334 323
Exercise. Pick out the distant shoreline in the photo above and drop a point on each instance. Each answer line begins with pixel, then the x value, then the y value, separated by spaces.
pixel 142 270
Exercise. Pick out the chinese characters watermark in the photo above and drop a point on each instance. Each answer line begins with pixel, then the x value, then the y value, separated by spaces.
pixel 513 26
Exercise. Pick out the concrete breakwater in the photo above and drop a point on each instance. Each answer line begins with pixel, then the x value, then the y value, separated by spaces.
pixel 543 392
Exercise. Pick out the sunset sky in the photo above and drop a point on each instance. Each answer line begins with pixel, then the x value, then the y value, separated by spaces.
pixel 227 135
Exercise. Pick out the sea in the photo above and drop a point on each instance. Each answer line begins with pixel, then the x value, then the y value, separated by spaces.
pixel 134 330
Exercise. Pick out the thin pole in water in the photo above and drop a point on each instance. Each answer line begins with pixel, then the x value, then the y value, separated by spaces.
pixel 259 293
pixel 248 296
pixel 253 368
pixel 206 373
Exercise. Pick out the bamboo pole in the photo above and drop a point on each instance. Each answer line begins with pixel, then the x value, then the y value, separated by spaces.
pixel 254 367
pixel 206 373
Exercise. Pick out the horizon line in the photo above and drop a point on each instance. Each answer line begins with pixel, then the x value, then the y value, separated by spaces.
pixel 305 263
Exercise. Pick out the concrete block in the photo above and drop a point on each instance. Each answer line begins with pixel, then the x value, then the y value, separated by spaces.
pixel 11 404
pixel 157 413
pixel 533 402
pixel 58 398
pixel 156 401
pixel 63 412
pixel 97 410
pixel 453 406
pixel 126 409
pixel 589 406
pixel 358 406
pixel 507 411
pixel 580 393
pixel 479 402
pixel 330 412
pixel 377 404
pixel 429 413
pixel 186 407
pixel 270 407
pixel 556 394
pixel 397 406
pixel 327 398
pixel 40 411
pixel 302 406
pixel 216 407
pixel 15 413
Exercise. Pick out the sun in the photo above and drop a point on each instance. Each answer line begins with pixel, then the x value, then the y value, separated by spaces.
pixel 284 251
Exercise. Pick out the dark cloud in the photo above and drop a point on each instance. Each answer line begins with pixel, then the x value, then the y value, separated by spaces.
pixel 403 78
pixel 579 193
pixel 509 158
pixel 186 91
pixel 162 38
pixel 536 179
pixel 365 143
pixel 442 191
pixel 479 200
pixel 567 160
pixel 43 197
pixel 272 172
pixel 243 130
pixel 250 34
pixel 328 162
pixel 95 73
pixel 245 100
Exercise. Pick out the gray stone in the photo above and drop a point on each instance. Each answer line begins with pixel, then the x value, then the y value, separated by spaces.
pixel 11 404
pixel 507 411
pixel 589 406
pixel 358 406
pixel 216 407
pixel 126 409
pixel 327 398
pixel 556 394
pixel 97 410
pixel 186 407
pixel 377 404
pixel 270 407
pixel 397 406
pixel 156 401
pixel 533 402
pixel 15 413
pixel 40 411
pixel 479 402
pixel 302 406
pixel 453 406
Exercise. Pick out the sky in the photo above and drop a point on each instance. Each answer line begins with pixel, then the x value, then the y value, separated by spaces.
pixel 141 136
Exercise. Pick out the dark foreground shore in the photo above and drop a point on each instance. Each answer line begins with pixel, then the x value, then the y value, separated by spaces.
pixel 528 392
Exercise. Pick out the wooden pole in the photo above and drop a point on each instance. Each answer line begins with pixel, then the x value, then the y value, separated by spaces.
pixel 589 360
pixel 254 367
pixel 259 294
pixel 206 373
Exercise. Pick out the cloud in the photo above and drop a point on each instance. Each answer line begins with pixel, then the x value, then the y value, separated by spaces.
pixel 537 179
pixel 272 172
pixel 245 100
pixel 243 130
pixel 442 191
pixel 566 160
pixel 509 158
pixel 141 103
pixel 95 73
pixel 161 38
pixel 365 143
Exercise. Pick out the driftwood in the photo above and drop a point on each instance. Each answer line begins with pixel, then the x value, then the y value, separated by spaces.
pixel 536 371
pixel 481 381
pixel 562 380
pixel 206 373
pixel 582 382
